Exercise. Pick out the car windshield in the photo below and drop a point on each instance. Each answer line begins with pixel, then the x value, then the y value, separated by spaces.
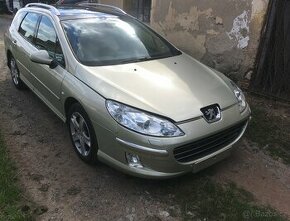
pixel 115 40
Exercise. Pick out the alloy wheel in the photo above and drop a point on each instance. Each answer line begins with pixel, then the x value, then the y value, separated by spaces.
pixel 80 134
pixel 14 71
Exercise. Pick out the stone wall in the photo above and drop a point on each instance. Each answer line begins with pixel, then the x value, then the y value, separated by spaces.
pixel 223 34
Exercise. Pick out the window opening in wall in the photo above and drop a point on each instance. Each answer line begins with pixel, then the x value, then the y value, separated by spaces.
pixel 140 9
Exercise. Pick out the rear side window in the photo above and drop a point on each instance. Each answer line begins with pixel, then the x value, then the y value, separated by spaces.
pixel 28 25
pixel 46 39
pixel 18 19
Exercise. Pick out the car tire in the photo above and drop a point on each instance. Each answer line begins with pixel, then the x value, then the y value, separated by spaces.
pixel 15 74
pixel 82 134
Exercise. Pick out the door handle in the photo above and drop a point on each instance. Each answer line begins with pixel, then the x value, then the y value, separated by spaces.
pixel 14 42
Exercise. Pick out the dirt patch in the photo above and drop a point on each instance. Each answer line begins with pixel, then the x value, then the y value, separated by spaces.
pixel 67 189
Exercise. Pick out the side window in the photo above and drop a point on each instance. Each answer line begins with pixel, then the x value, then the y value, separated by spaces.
pixel 28 25
pixel 18 19
pixel 46 39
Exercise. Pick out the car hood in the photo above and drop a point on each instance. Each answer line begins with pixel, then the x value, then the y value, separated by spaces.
pixel 176 87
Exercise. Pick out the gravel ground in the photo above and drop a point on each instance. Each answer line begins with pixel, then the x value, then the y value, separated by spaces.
pixel 67 189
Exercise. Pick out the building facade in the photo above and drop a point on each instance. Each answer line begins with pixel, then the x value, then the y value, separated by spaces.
pixel 223 34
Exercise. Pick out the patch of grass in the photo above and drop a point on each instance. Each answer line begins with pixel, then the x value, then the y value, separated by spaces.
pixel 10 194
pixel 199 197
pixel 212 201
pixel 204 199
pixel 271 133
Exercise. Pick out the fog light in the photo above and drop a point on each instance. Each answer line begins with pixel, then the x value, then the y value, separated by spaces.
pixel 133 160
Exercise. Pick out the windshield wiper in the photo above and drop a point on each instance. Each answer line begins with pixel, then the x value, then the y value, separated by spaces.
pixel 147 58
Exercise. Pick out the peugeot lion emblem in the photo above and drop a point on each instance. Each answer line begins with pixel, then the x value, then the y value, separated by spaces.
pixel 211 113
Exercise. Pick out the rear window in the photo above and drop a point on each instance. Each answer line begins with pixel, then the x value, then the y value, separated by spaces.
pixel 28 26
pixel 115 40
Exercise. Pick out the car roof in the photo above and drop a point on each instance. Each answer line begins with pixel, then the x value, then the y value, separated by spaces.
pixel 75 12
pixel 84 10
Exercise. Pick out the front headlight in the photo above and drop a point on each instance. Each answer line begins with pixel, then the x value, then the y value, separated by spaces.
pixel 240 97
pixel 142 122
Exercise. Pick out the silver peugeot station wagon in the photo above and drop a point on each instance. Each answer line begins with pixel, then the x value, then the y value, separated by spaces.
pixel 129 97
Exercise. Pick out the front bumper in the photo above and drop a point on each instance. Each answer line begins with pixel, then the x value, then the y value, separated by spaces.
pixel 157 154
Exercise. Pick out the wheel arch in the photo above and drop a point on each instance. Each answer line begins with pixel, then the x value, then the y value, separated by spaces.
pixel 9 56
pixel 68 103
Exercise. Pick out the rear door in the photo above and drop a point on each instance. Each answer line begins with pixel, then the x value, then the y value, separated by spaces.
pixel 23 41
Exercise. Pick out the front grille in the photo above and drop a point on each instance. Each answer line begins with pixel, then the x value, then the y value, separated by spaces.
pixel 207 145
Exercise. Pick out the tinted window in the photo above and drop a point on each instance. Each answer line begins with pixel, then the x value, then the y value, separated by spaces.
pixel 115 40
pixel 46 39
pixel 28 25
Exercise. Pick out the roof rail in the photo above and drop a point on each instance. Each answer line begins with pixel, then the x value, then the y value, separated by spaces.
pixel 44 6
pixel 97 5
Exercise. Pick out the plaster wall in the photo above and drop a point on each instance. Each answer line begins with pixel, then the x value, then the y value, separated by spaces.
pixel 223 34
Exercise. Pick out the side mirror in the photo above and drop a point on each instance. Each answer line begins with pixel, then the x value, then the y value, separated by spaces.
pixel 42 57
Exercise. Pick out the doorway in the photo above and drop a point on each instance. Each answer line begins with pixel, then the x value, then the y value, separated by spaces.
pixel 272 68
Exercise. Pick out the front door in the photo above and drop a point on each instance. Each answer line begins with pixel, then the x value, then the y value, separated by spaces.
pixel 49 79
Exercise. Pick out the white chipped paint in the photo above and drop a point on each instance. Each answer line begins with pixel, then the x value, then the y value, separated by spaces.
pixel 240 24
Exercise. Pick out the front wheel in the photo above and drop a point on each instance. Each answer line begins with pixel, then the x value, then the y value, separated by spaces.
pixel 82 134
pixel 18 83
